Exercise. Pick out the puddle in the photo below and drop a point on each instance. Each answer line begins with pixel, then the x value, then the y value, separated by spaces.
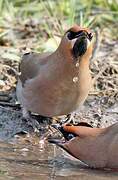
pixel 32 159
pixel 21 160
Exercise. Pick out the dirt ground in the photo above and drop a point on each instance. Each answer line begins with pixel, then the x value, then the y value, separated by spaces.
pixel 100 108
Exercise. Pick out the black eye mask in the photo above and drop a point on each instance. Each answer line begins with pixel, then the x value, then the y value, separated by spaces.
pixel 73 35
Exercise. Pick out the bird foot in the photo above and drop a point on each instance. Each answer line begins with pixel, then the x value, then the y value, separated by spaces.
pixel 34 124
pixel 70 119
pixel 30 121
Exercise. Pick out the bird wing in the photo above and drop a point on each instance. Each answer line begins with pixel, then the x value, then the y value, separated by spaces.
pixel 30 65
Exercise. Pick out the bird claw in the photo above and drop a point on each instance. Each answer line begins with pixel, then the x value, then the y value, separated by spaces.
pixel 30 121
pixel 70 119
pixel 33 123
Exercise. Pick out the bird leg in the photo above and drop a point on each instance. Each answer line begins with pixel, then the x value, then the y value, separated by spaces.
pixel 70 119
pixel 31 121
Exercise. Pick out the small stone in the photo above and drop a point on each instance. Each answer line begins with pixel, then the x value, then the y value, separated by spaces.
pixel 25 149
pixel 2 83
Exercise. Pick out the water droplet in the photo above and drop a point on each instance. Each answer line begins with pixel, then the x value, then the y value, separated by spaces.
pixel 75 79
pixel 77 65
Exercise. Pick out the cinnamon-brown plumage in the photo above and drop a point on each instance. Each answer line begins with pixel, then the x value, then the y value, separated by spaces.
pixel 97 147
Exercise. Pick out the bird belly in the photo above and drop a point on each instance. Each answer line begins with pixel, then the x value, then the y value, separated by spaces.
pixel 52 100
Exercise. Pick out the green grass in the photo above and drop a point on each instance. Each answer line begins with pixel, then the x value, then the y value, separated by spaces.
pixel 53 17
pixel 2 172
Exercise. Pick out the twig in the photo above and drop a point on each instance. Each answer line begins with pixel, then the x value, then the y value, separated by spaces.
pixel 97 43
pixel 9 104
pixel 8 109
pixel 14 70
pixel 100 72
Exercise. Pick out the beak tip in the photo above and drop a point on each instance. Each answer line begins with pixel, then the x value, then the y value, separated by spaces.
pixel 55 141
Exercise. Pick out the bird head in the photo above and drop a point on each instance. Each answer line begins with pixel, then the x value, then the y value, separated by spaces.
pixel 72 135
pixel 85 143
pixel 78 41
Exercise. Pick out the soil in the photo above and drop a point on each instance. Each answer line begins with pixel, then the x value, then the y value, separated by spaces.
pixel 100 108
pixel 18 140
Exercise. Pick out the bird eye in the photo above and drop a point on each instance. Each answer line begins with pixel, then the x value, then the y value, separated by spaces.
pixel 70 136
pixel 90 36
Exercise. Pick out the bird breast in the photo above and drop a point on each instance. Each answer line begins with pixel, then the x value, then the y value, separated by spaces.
pixel 57 94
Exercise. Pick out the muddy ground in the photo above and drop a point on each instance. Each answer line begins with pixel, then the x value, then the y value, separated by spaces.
pixel 100 108
pixel 22 155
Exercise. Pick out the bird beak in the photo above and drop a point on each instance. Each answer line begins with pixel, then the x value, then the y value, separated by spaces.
pixel 66 134
pixel 69 136
pixel 62 144
pixel 58 142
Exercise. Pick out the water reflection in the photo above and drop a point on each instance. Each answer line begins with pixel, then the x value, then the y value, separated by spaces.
pixel 25 160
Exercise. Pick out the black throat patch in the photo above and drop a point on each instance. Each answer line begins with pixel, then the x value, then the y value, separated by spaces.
pixel 79 47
